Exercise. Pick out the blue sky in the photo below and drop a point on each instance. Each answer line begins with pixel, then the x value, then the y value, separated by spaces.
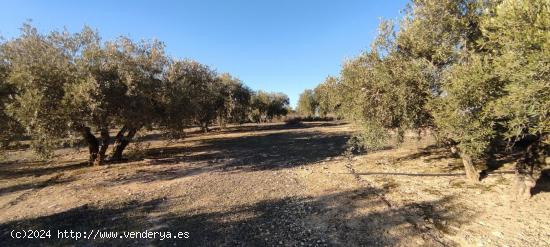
pixel 276 45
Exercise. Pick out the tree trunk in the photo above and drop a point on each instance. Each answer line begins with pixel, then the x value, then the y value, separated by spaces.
pixel 400 137
pixel 121 133
pixel 105 139
pixel 93 144
pixel 525 179
pixel 472 175
pixel 222 123
pixel 122 142
pixel 117 155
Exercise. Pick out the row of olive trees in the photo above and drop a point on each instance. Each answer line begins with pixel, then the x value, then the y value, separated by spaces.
pixel 267 106
pixel 61 88
pixel 321 101
pixel 474 72
pixel 307 103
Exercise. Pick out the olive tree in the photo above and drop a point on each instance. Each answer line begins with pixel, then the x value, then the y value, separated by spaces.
pixel 70 85
pixel 475 72
pixel 400 82
pixel 384 91
pixel 177 112
pixel 278 105
pixel 501 92
pixel 461 113
pixel 120 85
pixel 10 129
pixel 439 32
pixel 266 106
pixel 41 67
pixel 203 88
pixel 258 102
pixel 236 100
pixel 135 102
pixel 518 39
pixel 328 99
pixel 498 89
pixel 307 103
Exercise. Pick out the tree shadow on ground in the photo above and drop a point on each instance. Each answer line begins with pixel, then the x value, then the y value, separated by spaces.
pixel 7 166
pixel 455 168
pixel 84 219
pixel 543 183
pixel 412 174
pixel 498 162
pixel 435 153
pixel 271 151
pixel 431 153
pixel 35 185
pixel 37 169
pixel 264 151
pixel 234 129
pixel 267 151
pixel 329 220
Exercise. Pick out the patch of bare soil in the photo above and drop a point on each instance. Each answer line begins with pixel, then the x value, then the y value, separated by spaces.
pixel 269 185
pixel 427 182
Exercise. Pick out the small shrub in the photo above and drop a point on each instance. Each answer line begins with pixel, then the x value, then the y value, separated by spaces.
pixel 355 145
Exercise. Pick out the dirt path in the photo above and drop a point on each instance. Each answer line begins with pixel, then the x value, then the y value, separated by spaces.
pixel 272 186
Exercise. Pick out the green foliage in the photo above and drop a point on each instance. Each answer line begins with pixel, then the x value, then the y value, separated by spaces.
pixel 518 38
pixel 278 105
pixel 177 97
pixel 328 99
pixel 194 93
pixel 204 91
pixel 307 103
pixel 436 30
pixel 236 100
pixel 63 87
pixel 10 129
pixel 41 67
pixel 293 120
pixel 475 72
pixel 461 113
pixel 401 81
pixel 503 88
pixel 266 106
pixel 68 83
pixel 384 90
pixel 371 136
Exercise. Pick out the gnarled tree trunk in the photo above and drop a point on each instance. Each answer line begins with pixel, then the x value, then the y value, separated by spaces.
pixel 122 140
pixel 222 123
pixel 93 144
pixel 105 139
pixel 472 175
pixel 525 166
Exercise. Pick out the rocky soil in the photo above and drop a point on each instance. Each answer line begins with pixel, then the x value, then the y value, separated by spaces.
pixel 270 185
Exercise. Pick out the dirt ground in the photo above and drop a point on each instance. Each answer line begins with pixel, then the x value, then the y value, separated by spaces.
pixel 270 185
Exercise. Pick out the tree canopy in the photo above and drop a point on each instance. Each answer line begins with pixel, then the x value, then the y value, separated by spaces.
pixel 307 103
pixel 63 88
pixel 475 73
pixel 268 105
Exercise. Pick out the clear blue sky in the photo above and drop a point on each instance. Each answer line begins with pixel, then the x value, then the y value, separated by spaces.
pixel 273 45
